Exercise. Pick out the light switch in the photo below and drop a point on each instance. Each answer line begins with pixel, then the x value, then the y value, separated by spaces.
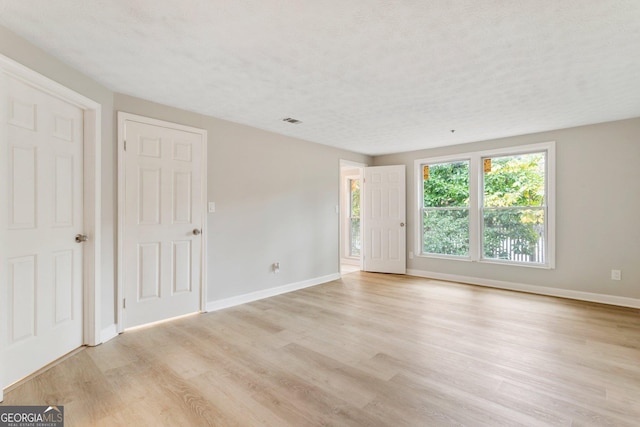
pixel 212 207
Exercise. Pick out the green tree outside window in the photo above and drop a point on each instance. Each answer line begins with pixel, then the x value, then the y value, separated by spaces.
pixel 512 211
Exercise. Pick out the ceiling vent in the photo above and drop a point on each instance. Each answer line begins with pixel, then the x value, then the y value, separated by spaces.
pixel 292 121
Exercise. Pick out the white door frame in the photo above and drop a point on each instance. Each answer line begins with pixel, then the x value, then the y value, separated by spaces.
pixel 122 118
pixel 345 211
pixel 361 166
pixel 92 189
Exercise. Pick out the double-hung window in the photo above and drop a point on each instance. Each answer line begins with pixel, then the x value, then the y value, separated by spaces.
pixel 445 208
pixel 492 206
pixel 513 208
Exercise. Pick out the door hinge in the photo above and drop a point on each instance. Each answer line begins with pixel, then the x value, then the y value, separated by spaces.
pixel 125 145
pixel 124 303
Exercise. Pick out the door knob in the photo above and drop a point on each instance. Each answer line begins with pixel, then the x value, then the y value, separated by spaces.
pixel 402 224
pixel 196 231
pixel 81 238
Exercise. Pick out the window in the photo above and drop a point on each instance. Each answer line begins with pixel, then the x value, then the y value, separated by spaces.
pixel 494 206
pixel 354 217
pixel 445 210
pixel 514 206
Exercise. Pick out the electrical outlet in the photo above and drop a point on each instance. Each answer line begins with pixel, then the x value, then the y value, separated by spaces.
pixel 276 267
pixel 616 275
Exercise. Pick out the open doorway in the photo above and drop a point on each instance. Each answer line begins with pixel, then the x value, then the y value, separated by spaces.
pixel 350 221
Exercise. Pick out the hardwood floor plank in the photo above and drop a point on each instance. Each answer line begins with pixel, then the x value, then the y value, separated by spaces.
pixel 345 382
pixel 368 349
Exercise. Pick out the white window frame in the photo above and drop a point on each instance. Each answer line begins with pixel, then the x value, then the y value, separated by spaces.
pixel 476 197
pixel 472 204
pixel 347 181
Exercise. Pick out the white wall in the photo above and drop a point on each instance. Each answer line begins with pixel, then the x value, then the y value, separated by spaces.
pixel 276 200
pixel 598 206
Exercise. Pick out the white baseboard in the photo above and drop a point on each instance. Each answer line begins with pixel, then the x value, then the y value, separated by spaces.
pixel 266 293
pixel 350 261
pixel 108 333
pixel 533 289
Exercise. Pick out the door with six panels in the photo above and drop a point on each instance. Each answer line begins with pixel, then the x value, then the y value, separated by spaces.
pixel 163 220
pixel 41 212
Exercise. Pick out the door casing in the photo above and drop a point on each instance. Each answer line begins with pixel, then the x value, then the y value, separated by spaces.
pixel 348 164
pixel 122 118
pixel 345 246
pixel 91 192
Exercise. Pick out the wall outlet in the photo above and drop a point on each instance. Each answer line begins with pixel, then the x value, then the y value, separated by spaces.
pixel 212 207
pixel 616 275
pixel 276 267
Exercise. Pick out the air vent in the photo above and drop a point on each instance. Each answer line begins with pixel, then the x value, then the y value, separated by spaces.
pixel 291 120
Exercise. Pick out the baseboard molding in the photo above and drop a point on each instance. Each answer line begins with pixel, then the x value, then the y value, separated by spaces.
pixel 532 289
pixel 266 293
pixel 350 261
pixel 108 333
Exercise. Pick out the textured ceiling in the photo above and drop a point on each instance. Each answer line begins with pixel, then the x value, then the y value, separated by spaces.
pixel 366 75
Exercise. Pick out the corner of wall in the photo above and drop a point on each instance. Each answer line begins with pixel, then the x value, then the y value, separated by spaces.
pixel 255 296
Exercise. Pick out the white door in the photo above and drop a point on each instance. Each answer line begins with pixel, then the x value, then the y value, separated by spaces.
pixel 163 221
pixel 384 219
pixel 41 212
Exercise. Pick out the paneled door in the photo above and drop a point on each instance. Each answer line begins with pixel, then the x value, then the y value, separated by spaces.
pixel 163 220
pixel 384 221
pixel 41 212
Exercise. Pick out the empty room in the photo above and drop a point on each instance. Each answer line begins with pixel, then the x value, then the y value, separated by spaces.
pixel 285 213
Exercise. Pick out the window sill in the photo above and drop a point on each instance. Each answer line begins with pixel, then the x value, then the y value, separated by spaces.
pixel 447 257
pixel 516 264
pixel 487 261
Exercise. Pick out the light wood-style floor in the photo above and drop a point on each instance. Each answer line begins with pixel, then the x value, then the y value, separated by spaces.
pixel 348 268
pixel 366 350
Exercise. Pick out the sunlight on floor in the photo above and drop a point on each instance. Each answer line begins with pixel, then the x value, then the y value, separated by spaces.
pixel 348 268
